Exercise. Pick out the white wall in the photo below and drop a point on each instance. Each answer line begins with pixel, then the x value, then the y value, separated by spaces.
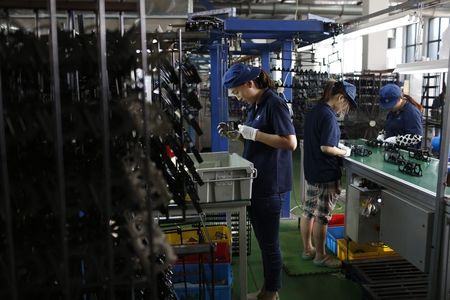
pixel 375 44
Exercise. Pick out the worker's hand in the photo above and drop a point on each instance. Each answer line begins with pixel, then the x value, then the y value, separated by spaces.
pixel 225 130
pixel 248 133
pixel 348 150
pixel 380 137
pixel 391 140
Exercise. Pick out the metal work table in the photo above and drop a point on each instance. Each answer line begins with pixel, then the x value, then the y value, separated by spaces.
pixel 409 202
pixel 421 190
pixel 228 207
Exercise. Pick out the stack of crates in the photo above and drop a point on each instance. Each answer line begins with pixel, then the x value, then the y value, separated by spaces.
pixel 348 250
pixel 197 276
pixel 335 231
pixel 219 235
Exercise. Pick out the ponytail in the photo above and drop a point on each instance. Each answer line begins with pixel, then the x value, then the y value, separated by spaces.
pixel 263 81
pixel 413 102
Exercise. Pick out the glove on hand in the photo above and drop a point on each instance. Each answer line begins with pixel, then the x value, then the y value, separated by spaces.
pixel 224 130
pixel 380 137
pixel 348 150
pixel 248 133
pixel 391 140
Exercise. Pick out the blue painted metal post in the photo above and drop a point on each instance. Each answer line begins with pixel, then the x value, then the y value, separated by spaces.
pixel 265 61
pixel 219 98
pixel 287 65
pixel 286 77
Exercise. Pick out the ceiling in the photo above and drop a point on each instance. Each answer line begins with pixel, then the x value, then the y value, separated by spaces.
pixel 339 11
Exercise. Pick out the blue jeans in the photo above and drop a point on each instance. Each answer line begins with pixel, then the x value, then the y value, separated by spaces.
pixel 265 219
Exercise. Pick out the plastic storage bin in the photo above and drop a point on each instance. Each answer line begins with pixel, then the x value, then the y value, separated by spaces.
pixel 337 220
pixel 220 235
pixel 362 251
pixel 223 280
pixel 226 176
pixel 333 234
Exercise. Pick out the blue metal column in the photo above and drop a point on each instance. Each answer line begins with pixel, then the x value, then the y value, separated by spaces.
pixel 286 77
pixel 219 98
pixel 265 61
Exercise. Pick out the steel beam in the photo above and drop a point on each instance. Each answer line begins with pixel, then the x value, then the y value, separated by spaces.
pixel 272 26
pixel 61 190
pixel 439 288
pixel 69 5
pixel 218 95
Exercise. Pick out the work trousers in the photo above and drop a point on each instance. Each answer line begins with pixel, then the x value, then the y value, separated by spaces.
pixel 265 219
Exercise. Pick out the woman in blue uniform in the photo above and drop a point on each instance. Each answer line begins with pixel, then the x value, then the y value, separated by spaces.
pixel 322 168
pixel 269 139
pixel 403 124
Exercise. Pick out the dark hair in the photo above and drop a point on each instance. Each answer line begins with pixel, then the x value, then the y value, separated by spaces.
pixel 331 88
pixel 263 81
pixel 413 102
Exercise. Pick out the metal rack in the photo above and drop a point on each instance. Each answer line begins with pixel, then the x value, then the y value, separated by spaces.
pixel 78 185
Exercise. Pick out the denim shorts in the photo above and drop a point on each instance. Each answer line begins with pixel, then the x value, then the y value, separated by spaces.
pixel 320 200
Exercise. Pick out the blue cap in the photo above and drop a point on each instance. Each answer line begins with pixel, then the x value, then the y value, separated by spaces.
pixel 239 74
pixel 350 91
pixel 389 95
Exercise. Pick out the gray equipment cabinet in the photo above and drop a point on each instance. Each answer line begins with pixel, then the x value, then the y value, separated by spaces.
pixel 361 225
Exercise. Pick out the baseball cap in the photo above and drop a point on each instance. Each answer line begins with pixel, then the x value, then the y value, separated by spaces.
pixel 350 91
pixel 389 95
pixel 238 74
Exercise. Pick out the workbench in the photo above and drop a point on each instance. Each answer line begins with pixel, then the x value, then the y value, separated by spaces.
pixel 408 205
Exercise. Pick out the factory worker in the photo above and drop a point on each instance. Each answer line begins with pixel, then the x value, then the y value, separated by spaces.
pixel 403 125
pixel 322 167
pixel 269 139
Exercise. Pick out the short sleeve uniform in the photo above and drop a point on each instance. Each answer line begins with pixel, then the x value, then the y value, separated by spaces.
pixel 274 166
pixel 407 120
pixel 321 129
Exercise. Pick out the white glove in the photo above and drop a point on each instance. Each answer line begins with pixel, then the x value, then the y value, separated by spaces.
pixel 348 150
pixel 340 145
pixel 248 133
pixel 380 137
pixel 391 140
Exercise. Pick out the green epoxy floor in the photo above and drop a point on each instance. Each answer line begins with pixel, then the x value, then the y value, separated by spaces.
pixel 314 287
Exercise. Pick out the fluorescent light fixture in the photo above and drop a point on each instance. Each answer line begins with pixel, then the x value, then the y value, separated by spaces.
pixel 378 25
pixel 263 41
pixel 432 66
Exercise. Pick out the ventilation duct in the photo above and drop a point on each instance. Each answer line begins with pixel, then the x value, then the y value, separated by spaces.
pixel 286 8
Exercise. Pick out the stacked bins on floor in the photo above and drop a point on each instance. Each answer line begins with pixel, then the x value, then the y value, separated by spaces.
pixel 203 275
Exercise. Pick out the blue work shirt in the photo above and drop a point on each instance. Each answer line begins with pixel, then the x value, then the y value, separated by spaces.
pixel 321 129
pixel 270 115
pixel 407 120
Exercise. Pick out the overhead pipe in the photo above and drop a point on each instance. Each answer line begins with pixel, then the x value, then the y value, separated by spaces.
pixel 287 8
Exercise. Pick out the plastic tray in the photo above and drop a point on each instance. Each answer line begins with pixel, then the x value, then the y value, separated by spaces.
pixel 226 176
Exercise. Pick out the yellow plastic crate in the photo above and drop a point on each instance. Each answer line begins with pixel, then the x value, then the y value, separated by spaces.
pixel 362 250
pixel 190 236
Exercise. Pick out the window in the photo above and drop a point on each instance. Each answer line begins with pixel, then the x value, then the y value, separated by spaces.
pixel 412 44
pixel 436 27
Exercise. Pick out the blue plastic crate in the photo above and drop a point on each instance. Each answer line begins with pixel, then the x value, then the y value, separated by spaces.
pixel 223 280
pixel 333 234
